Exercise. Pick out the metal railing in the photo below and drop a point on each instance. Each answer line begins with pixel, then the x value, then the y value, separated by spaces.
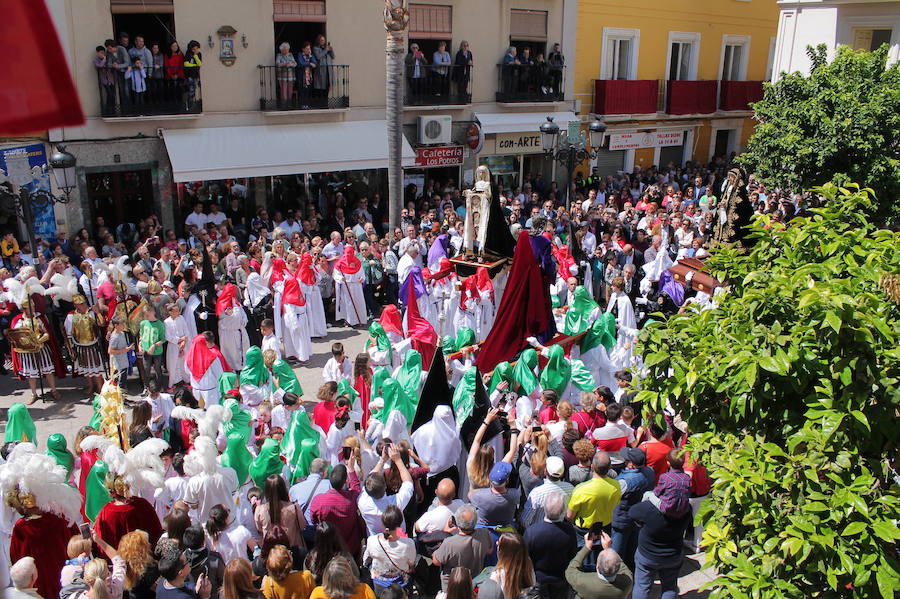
pixel 295 88
pixel 165 90
pixel 530 83
pixel 439 85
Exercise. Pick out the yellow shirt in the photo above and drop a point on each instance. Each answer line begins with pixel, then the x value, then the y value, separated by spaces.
pixel 363 591
pixel 297 585
pixel 9 248
pixel 594 500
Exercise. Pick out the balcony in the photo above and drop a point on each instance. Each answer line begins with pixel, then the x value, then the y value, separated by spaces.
pixel 738 95
pixel 176 90
pixel 439 86
pixel 530 83
pixel 287 88
pixel 691 97
pixel 620 96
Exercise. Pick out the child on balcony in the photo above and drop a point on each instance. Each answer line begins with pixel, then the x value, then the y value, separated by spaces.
pixel 138 78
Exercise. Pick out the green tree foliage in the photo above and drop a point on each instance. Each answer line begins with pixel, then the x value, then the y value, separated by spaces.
pixel 840 123
pixel 791 390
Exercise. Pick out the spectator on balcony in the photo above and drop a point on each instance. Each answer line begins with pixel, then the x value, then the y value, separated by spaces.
pixel 286 74
pixel 510 73
pixel 174 65
pixel 308 65
pixel 136 76
pixel 140 50
pixel 193 60
pixel 323 76
pixel 415 70
pixel 526 74
pixel 463 72
pixel 118 59
pixel 106 76
pixel 557 62
pixel 157 73
pixel 440 70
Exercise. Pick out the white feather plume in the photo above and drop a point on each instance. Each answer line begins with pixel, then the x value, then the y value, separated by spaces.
pixel 120 269
pixel 63 287
pixel 33 286
pixel 202 457
pixel 40 475
pixel 208 420
pixel 98 442
pixel 15 291
pixel 142 468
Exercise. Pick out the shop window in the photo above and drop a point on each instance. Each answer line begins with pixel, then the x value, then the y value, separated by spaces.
pixel 620 53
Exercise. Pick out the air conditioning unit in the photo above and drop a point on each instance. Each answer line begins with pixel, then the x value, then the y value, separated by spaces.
pixel 435 129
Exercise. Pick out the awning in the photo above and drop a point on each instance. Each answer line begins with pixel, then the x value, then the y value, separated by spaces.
pixel 266 150
pixel 521 122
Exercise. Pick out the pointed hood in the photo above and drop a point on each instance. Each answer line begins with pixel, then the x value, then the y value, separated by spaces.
pixel 227 299
pixel 348 263
pixel 285 377
pixel 523 371
pixel 578 317
pixel 300 431
pixel 255 371
pixel 200 357
pixel 471 405
pixel 435 392
pixel 19 425
pixel 565 262
pixel 56 448
pixel 228 381
pixel 267 462
pixel 96 493
pixel 390 321
pixel 502 372
pixel 410 373
pixel 396 398
pixel 237 457
pixel 601 332
pixel 557 371
pixel 306 272
pixel 240 421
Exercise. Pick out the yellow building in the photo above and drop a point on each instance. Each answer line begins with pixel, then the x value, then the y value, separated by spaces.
pixel 672 79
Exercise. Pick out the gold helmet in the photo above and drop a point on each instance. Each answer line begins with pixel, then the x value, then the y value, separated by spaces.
pixel 78 299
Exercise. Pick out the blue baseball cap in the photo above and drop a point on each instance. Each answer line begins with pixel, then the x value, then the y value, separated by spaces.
pixel 500 473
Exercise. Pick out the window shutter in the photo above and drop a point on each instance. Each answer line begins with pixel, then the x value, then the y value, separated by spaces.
pixel 528 25
pixel 120 7
pixel 311 11
pixel 430 21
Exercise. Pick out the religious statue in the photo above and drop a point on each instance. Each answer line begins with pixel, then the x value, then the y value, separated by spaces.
pixel 478 212
pixel 734 211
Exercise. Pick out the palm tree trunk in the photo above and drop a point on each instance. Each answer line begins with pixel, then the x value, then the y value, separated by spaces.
pixel 396 19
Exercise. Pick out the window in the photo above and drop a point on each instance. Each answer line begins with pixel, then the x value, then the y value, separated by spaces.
pixel 528 25
pixel 871 39
pixel 430 21
pixel 620 52
pixel 684 50
pixel 299 10
pixel 735 52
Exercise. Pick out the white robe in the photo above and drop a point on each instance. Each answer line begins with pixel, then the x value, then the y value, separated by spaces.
pixel 190 320
pixel 335 439
pixel 621 355
pixel 350 304
pixel 233 339
pixel 207 388
pixel 466 316
pixel 176 328
pixel 315 309
pixel 253 395
pixel 379 358
pixel 437 441
pixel 296 332
pixel 485 314
pixel 272 342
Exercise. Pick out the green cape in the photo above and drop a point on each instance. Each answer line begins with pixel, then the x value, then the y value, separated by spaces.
pixel 285 377
pixel 345 388
pixel 56 447
pixel 523 371
pixel 579 313
pixel 300 430
pixel 448 344
pixel 237 456
pixel 464 338
pixel 380 375
pixel 255 371
pixel 464 396
pixel 502 372
pixel 382 341
pixel 267 462
pixel 96 418
pixel 96 495
pixel 554 301
pixel 410 373
pixel 559 372
pixel 19 425
pixel 601 332
pixel 227 382
pixel 240 420
pixel 397 398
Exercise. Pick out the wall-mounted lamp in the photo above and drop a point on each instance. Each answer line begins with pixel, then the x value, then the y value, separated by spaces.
pixel 210 42
pixel 244 42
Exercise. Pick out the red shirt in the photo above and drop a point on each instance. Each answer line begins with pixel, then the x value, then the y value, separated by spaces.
pixel 323 414
pixel 657 455
pixel 115 521
pixel 548 414
pixel 588 421
pixel 339 508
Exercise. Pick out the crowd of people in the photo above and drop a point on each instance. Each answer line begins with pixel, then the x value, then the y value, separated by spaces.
pixel 411 472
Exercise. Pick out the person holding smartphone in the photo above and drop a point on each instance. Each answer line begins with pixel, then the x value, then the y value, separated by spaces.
pixel 175 569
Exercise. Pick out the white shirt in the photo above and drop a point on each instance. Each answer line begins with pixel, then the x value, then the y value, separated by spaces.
pixel 290 229
pixel 281 417
pixel 232 543
pixel 333 251
pixel 208 490
pixel 435 519
pixel 335 372
pixel 198 220
pixel 274 343
pixel 371 508
pixel 216 218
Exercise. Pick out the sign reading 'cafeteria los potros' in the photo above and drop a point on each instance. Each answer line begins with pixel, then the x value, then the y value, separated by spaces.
pixel 439 156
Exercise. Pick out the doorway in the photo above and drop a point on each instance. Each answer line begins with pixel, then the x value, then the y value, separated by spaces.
pixel 296 33
pixel 153 27
pixel 121 196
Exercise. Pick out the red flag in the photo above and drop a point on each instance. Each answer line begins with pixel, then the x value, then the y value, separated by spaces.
pixel 522 313
pixel 421 333
pixel 36 89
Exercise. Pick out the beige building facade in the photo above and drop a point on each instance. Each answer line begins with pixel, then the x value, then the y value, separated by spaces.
pixel 234 120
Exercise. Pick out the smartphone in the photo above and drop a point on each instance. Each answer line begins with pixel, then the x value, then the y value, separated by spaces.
pixel 537 428
pixel 596 529
pixel 357 426
pixel 85 530
pixel 346 452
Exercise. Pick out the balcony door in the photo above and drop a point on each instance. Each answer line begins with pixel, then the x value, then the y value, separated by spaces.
pixel 620 53
pixel 684 51
pixel 735 52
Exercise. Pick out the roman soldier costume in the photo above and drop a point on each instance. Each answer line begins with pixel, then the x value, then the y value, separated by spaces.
pixel 82 329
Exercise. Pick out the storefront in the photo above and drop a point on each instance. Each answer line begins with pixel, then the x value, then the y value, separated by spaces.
pixel 512 146
pixel 442 164
pixel 642 148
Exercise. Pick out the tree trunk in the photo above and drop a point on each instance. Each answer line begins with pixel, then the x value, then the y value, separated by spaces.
pixel 395 49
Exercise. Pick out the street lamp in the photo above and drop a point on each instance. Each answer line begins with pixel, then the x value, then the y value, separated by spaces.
pixel 570 152
pixel 63 165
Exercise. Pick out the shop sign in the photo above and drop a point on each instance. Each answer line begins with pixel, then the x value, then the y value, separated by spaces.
pixel 500 165
pixel 475 137
pixel 439 156
pixel 645 139
pixel 27 166
pixel 518 143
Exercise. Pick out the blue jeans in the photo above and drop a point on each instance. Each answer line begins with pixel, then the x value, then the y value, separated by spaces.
pixel 647 570
pixel 623 541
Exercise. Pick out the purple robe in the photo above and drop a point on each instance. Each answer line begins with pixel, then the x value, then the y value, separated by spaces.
pixel 543 254
pixel 415 279
pixel 438 249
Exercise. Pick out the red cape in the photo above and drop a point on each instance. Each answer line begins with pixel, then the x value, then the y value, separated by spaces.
pixel 390 320
pixel 348 263
pixel 59 368
pixel 306 273
pixel 421 333
pixel 564 258
pixel 292 294
pixel 524 310
pixel 201 356
pixel 278 268
pixel 226 298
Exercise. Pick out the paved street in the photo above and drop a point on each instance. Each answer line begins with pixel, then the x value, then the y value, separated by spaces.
pixel 74 411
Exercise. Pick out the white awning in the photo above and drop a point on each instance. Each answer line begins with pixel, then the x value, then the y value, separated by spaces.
pixel 266 150
pixel 521 122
